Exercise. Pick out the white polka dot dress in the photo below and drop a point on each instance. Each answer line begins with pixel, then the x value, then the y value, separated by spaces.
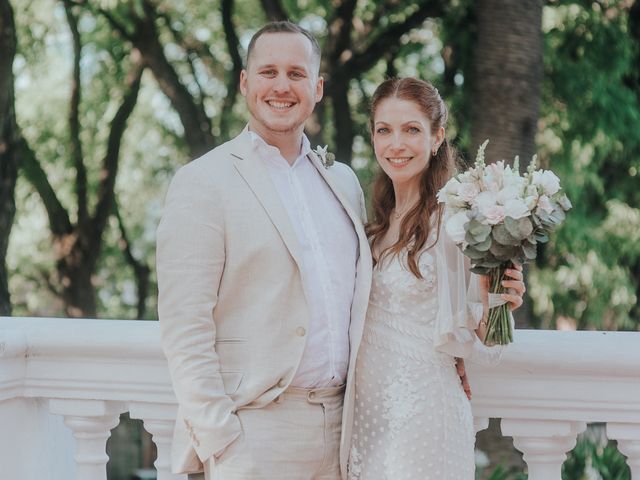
pixel 412 419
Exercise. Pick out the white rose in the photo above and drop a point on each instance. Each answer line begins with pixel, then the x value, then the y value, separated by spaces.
pixel 531 191
pixel 468 191
pixel 544 204
pixel 516 208
pixel 494 214
pixel 507 194
pixel 546 180
pixel 531 202
pixel 455 226
pixel 485 200
pixel 449 191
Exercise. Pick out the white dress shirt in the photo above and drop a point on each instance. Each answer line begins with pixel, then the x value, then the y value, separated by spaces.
pixel 329 247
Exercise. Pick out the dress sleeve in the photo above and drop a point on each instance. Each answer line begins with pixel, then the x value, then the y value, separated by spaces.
pixel 460 306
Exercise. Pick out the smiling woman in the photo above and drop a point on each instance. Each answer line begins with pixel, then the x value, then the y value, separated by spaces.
pixel 411 417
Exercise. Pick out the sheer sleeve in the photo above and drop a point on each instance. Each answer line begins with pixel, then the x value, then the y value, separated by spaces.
pixel 460 307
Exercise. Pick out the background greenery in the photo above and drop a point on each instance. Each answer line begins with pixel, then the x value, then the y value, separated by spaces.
pixel 101 101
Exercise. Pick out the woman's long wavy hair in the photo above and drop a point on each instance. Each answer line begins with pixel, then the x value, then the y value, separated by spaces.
pixel 417 224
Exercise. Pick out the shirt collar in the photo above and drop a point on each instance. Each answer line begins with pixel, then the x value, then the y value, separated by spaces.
pixel 271 153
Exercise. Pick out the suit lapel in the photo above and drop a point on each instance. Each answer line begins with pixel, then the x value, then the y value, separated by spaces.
pixel 252 169
pixel 355 218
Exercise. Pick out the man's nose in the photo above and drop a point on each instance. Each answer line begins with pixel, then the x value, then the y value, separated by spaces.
pixel 281 83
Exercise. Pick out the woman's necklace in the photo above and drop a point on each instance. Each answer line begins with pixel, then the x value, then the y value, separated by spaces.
pixel 397 214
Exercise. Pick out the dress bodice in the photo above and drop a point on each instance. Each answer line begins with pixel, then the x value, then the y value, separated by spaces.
pixel 397 290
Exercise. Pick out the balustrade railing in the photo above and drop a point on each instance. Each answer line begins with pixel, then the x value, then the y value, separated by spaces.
pixel 64 383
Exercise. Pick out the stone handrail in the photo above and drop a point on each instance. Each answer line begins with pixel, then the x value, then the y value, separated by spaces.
pixel 84 372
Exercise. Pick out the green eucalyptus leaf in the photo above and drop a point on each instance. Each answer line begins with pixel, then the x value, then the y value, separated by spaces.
pixel 485 245
pixel 480 270
pixel 502 236
pixel 479 230
pixel 473 254
pixel 519 229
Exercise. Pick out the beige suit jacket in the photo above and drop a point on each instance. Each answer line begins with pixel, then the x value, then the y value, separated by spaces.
pixel 232 306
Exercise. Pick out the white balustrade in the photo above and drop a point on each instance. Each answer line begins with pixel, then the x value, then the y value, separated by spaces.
pixel 628 437
pixel 91 422
pixel 543 443
pixel 547 387
pixel 158 420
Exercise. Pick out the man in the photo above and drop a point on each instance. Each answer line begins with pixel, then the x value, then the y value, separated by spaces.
pixel 264 273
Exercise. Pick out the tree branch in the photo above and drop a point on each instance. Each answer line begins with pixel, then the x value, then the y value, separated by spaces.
pixel 233 78
pixel 274 10
pixel 110 161
pixel 340 28
pixel 193 47
pixel 361 62
pixel 58 216
pixel 140 269
pixel 9 155
pixel 75 146
pixel 197 126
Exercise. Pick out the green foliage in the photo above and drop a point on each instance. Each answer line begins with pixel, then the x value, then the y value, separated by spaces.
pixel 595 457
pixel 589 272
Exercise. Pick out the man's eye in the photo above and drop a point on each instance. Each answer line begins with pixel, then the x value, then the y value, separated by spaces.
pixel 268 73
pixel 296 74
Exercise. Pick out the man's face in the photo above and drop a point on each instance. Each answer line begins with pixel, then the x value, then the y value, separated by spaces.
pixel 281 84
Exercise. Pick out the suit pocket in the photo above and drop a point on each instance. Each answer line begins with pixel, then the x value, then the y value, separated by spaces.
pixel 231 381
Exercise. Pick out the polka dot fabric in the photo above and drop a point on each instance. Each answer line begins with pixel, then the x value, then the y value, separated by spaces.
pixel 412 419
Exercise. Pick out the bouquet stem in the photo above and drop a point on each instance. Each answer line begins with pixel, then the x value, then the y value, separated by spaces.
pixel 499 331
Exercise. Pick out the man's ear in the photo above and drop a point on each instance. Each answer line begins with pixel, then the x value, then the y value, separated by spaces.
pixel 319 88
pixel 243 82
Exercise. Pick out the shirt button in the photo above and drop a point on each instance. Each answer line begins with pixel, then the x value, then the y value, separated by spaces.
pixel 282 383
pixel 312 394
pixel 300 331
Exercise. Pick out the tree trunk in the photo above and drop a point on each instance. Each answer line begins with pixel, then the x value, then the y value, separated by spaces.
pixel 8 145
pixel 505 93
pixel 507 75
pixel 78 291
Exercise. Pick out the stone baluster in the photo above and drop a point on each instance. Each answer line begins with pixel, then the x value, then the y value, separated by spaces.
pixel 544 443
pixel 158 420
pixel 480 423
pixel 628 437
pixel 91 422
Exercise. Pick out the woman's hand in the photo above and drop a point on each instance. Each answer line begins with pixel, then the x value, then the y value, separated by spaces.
pixel 516 285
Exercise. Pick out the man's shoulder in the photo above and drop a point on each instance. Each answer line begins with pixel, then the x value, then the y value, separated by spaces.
pixel 343 173
pixel 211 165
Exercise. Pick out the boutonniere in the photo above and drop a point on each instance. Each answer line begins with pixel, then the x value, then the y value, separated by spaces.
pixel 327 158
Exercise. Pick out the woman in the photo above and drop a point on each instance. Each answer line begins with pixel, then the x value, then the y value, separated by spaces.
pixel 412 419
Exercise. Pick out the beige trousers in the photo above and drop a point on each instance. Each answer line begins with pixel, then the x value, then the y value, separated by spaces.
pixel 297 437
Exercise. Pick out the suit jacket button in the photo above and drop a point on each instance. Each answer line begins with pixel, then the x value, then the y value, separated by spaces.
pixel 282 383
pixel 300 331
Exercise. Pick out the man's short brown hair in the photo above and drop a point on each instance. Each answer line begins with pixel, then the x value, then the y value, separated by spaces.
pixel 285 27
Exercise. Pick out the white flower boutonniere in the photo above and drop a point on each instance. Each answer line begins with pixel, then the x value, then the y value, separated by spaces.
pixel 327 158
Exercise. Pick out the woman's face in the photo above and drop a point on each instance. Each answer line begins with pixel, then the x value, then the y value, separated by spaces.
pixel 402 139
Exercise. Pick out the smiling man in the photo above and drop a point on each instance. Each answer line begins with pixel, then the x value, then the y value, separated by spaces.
pixel 264 273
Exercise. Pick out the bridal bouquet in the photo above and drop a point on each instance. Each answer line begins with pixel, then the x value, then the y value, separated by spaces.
pixel 497 217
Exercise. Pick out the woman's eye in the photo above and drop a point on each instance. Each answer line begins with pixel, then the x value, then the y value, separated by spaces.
pixel 413 130
pixel 382 130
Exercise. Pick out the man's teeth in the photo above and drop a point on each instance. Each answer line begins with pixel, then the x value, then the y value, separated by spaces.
pixel 399 161
pixel 280 105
